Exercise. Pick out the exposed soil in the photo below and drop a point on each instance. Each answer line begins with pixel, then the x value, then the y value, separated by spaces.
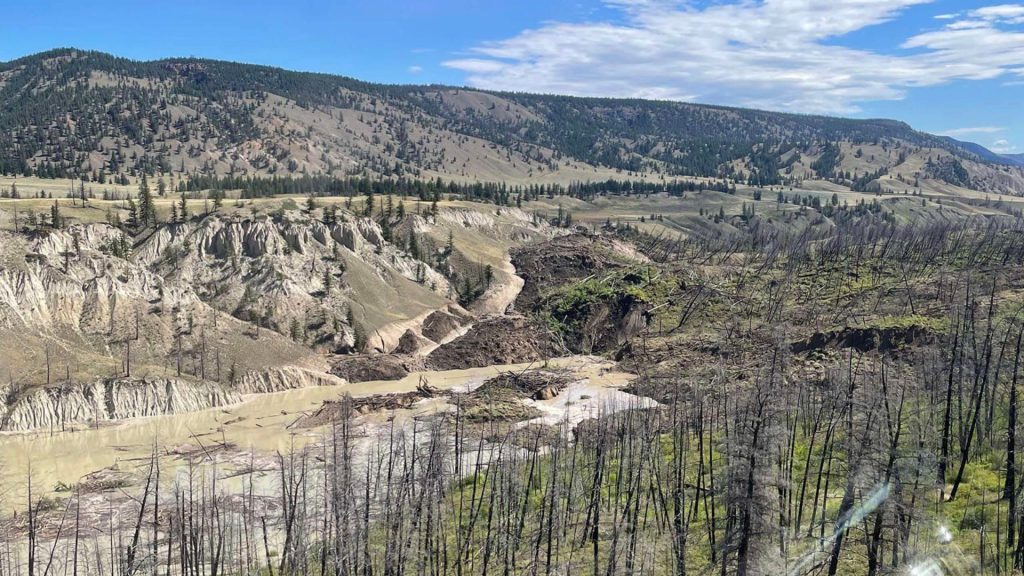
pixel 376 367
pixel 584 284
pixel 867 339
pixel 440 324
pixel 497 340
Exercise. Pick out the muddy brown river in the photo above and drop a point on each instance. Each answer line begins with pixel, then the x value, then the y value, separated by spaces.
pixel 259 423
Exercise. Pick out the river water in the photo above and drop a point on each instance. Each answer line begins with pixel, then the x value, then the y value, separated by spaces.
pixel 259 423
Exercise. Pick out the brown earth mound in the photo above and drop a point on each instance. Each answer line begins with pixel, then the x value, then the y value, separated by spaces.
pixel 375 367
pixel 562 260
pixel 536 384
pixel 497 340
pixel 440 324
pixel 867 339
pixel 410 342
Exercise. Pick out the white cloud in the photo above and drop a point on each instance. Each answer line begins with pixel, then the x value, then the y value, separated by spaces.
pixel 967 24
pixel 1002 146
pixel 415 69
pixel 1011 13
pixel 779 54
pixel 956 132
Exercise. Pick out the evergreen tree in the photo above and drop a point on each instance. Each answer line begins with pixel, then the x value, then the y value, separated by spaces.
pixel 368 208
pixel 147 209
pixel 55 219
pixel 133 214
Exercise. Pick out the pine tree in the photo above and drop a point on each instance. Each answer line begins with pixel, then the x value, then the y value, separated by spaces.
pixel 183 208
pixel 55 219
pixel 414 246
pixel 368 208
pixel 133 214
pixel 358 335
pixel 328 282
pixel 147 209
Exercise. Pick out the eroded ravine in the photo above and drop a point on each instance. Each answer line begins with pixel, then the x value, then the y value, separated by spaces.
pixel 263 424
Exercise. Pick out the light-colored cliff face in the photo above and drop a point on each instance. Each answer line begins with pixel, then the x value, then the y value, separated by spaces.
pixel 297 274
pixel 79 403
pixel 284 378
pixel 55 407
pixel 80 303
pixel 68 280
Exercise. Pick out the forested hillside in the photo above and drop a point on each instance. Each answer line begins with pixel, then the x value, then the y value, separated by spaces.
pixel 74 114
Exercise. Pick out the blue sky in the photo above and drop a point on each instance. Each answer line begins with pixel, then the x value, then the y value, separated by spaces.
pixel 945 66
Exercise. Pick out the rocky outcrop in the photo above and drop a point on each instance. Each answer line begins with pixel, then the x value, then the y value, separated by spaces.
pixel 57 406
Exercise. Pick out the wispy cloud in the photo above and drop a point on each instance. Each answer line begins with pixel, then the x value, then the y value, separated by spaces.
pixel 415 69
pixel 1002 146
pixel 1011 13
pixel 779 54
pixel 956 132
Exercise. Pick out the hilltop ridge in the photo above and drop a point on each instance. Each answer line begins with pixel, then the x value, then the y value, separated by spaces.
pixel 82 114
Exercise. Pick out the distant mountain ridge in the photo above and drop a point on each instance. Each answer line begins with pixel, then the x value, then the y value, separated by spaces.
pixel 986 154
pixel 1017 159
pixel 73 113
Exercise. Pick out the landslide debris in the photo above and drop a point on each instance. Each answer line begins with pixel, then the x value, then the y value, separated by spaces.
pixel 592 292
pixel 501 398
pixel 567 259
pixel 497 340
pixel 335 410
pixel 376 367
